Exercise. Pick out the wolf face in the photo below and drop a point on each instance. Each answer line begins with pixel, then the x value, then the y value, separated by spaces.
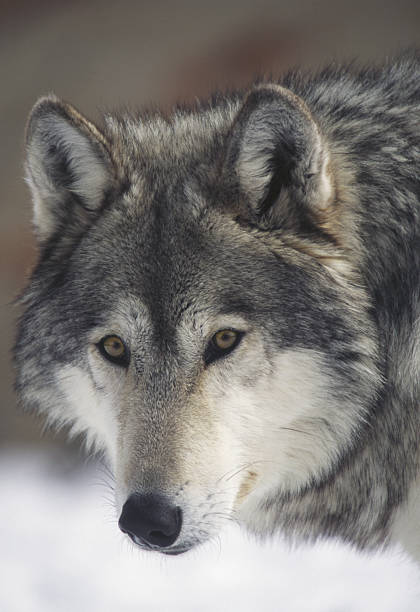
pixel 198 308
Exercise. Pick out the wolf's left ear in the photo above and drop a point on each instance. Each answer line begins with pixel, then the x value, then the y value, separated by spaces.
pixel 68 167
pixel 279 160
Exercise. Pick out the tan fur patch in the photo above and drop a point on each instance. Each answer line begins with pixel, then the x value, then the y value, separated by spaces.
pixel 246 487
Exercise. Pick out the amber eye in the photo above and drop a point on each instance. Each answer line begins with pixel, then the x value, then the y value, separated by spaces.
pixel 225 339
pixel 221 344
pixel 113 349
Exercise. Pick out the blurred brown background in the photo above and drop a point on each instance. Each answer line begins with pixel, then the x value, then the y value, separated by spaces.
pixel 101 54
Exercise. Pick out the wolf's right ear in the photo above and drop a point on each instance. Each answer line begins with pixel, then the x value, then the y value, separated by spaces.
pixel 68 167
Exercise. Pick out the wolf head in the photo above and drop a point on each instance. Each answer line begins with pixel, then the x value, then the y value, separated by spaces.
pixel 196 307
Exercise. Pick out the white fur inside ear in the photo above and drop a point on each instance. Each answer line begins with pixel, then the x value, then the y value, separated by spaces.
pixel 55 140
pixel 253 164
pixel 322 189
pixel 85 164
pixel 41 192
pixel 279 137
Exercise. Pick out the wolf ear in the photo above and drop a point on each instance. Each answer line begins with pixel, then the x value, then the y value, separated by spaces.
pixel 279 159
pixel 68 167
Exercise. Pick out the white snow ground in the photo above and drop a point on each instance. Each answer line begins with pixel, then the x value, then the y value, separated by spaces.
pixel 61 551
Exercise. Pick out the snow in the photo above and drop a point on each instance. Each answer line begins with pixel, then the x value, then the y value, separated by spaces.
pixel 61 551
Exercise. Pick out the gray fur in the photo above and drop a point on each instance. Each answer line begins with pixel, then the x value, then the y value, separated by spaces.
pixel 294 206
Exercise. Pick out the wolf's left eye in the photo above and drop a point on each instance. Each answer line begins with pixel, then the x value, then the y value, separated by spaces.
pixel 114 349
pixel 222 343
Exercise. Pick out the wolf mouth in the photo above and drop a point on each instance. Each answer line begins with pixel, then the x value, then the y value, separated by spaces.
pixel 176 550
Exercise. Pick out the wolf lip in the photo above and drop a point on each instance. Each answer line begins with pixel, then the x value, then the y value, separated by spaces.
pixel 139 541
pixel 145 546
pixel 175 551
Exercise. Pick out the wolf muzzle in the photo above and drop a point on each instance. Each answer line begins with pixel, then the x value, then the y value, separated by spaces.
pixel 150 520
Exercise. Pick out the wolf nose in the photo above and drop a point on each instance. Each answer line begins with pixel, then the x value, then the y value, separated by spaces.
pixel 151 519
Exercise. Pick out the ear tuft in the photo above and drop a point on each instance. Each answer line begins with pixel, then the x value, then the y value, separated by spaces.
pixel 279 158
pixel 68 165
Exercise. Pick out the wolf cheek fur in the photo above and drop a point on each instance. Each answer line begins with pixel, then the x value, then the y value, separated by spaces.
pixel 289 217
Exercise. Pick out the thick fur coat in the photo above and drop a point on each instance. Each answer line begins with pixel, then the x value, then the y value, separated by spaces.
pixel 287 215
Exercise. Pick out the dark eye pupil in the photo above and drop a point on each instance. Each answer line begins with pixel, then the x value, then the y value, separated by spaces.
pixel 115 346
pixel 224 339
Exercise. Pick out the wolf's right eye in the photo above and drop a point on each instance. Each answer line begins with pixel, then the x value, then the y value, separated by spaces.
pixel 114 349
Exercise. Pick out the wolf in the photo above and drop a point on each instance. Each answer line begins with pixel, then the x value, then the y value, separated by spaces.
pixel 227 303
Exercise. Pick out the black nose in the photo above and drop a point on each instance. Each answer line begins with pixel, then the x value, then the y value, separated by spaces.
pixel 150 519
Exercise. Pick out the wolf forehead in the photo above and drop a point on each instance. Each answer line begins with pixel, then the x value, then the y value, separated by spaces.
pixel 149 145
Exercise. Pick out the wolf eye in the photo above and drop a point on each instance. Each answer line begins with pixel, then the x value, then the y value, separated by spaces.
pixel 113 349
pixel 225 339
pixel 222 343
